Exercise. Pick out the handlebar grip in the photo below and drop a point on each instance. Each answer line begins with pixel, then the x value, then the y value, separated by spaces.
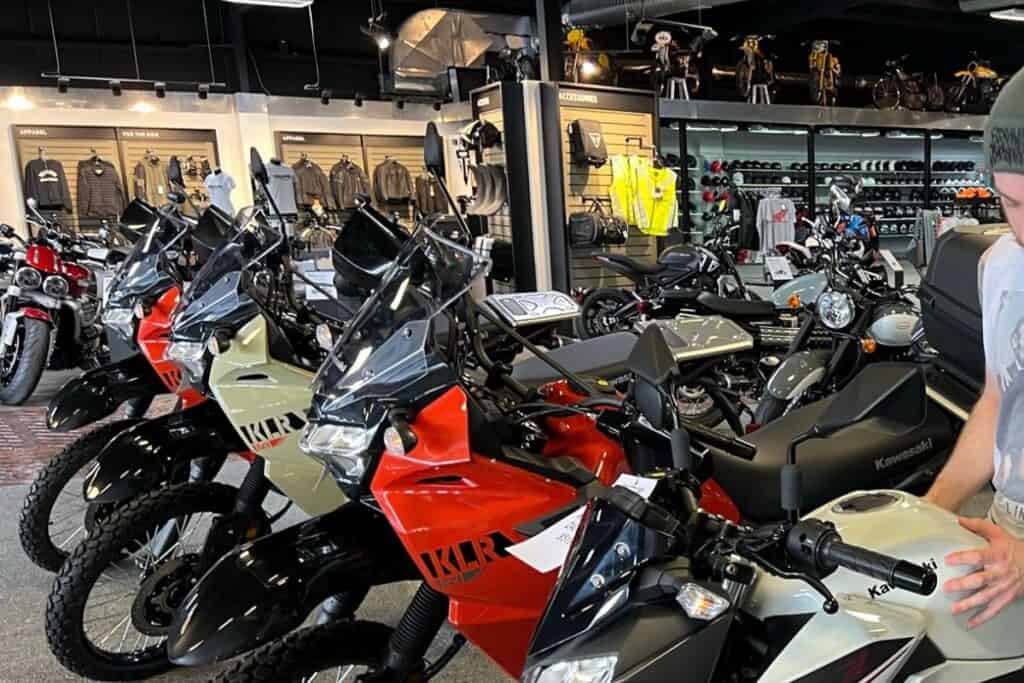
pixel 897 573
pixel 710 437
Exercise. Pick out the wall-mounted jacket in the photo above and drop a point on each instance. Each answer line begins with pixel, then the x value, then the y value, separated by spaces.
pixel 429 199
pixel 392 182
pixel 46 183
pixel 150 179
pixel 348 181
pixel 100 193
pixel 311 184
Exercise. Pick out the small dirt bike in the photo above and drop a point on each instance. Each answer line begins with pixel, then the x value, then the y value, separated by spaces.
pixel 825 72
pixel 756 67
pixel 976 88
pixel 898 89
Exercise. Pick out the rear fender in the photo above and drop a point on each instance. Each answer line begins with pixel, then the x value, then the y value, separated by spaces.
pixel 266 588
pixel 619 268
pixel 145 456
pixel 99 392
pixel 797 373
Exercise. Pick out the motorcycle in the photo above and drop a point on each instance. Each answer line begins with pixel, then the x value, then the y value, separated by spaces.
pixel 465 580
pixel 976 89
pixel 825 72
pixel 653 587
pixel 237 335
pixel 897 89
pixel 136 310
pixel 49 313
pixel 755 68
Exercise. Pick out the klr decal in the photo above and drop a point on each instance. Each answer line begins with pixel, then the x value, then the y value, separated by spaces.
pixel 462 562
pixel 881 589
pixel 271 431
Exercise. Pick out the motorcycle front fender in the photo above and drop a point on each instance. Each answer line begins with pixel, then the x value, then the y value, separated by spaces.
pixel 797 373
pixel 266 588
pixel 146 455
pixel 99 392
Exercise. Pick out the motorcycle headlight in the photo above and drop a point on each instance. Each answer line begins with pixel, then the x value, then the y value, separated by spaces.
pixel 593 670
pixel 342 447
pixel 28 278
pixel 189 355
pixel 122 320
pixel 835 309
pixel 55 286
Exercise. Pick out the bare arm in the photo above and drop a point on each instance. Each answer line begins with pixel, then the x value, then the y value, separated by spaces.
pixel 971 464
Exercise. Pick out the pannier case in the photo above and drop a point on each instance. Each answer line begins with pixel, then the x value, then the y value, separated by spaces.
pixel 950 306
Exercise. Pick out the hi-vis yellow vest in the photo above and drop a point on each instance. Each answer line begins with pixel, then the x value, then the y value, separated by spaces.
pixel 642 195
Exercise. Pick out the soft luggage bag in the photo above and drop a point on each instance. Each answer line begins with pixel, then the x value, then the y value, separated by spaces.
pixel 586 143
pixel 950 306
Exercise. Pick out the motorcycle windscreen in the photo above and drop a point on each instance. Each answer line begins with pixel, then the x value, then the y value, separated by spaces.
pixel 147 270
pixel 366 247
pixel 226 304
pixel 608 544
pixel 386 344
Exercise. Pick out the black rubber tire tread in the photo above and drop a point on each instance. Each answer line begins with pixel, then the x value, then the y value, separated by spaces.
pixel 310 650
pixel 769 409
pixel 588 302
pixel 35 349
pixel 74 582
pixel 33 527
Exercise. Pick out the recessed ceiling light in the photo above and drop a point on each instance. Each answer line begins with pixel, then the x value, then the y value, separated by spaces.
pixel 1013 14
pixel 19 102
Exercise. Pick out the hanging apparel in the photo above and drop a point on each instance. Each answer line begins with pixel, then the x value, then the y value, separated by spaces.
pixel 197 166
pixel 282 187
pixel 311 184
pixel 429 198
pixel 643 195
pixel 46 183
pixel 150 180
pixel 392 182
pixel 100 194
pixel 348 181
pixel 776 221
pixel 220 185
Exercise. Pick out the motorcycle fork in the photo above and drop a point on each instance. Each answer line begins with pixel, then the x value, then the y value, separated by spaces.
pixel 246 522
pixel 415 632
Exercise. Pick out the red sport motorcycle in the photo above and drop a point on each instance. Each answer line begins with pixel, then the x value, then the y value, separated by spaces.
pixel 49 313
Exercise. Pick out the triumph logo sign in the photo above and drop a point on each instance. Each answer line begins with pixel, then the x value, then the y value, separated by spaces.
pixel 888 461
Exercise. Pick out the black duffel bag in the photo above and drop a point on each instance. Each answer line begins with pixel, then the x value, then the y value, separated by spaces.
pixel 594 228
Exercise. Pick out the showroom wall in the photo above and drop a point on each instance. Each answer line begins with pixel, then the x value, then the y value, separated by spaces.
pixel 238 121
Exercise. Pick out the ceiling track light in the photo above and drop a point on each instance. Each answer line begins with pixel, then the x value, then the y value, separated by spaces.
pixel 204 90
pixel 400 104
pixel 325 96
pixel 115 88
pixel 160 88
pixel 284 4
pixel 63 83
pixel 358 100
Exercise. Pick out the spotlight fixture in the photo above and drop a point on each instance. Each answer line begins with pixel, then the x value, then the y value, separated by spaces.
pixel 437 106
pixel 400 104
pixel 383 41
pixel 358 99
pixel 62 84
pixel 161 89
pixel 377 27
pixel 115 88
pixel 325 96
pixel 204 90
pixel 589 67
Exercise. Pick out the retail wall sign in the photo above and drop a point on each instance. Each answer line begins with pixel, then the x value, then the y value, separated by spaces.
pixel 325 139
pixel 167 135
pixel 25 132
pixel 610 99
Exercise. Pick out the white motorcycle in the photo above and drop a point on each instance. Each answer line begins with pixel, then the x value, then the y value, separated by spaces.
pixel 655 587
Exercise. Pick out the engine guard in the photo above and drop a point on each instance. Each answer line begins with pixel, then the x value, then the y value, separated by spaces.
pixel 266 588
pixel 146 455
pixel 98 393
pixel 798 372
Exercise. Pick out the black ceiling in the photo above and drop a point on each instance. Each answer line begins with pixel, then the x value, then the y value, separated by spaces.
pixel 94 38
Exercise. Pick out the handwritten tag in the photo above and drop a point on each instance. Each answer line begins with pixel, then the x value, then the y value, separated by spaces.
pixel 547 550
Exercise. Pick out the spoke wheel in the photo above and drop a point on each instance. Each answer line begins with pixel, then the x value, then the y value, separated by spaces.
pixel 113 599
pixel 886 93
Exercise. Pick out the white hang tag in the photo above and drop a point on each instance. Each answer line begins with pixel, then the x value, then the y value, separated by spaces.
pixel 642 486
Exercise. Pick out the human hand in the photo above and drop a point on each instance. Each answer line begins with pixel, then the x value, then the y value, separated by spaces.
pixel 1000 579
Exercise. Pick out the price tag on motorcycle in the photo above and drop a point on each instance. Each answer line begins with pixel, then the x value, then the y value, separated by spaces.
pixel 547 550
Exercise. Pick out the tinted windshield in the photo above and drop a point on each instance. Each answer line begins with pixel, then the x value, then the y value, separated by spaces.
pixel 147 268
pixel 386 343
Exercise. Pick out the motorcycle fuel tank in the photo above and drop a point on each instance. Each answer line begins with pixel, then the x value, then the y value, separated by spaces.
pixel 893 324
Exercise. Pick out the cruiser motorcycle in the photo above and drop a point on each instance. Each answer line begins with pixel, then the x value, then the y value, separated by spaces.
pixel 652 587
pixel 49 313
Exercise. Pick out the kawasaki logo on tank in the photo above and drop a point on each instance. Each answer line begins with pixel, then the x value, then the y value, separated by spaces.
pixel 888 461
pixel 271 431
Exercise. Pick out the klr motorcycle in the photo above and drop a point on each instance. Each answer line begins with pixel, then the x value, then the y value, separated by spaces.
pixel 49 313
pixel 656 586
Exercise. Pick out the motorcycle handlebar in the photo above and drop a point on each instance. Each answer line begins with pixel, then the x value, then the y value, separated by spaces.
pixel 895 572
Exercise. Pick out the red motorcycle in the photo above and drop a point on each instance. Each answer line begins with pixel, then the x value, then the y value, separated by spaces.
pixel 49 312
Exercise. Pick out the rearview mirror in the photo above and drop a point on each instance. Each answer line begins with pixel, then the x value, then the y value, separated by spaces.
pixel 892 392
pixel 174 176
pixel 257 167
pixel 433 150
pixel 652 362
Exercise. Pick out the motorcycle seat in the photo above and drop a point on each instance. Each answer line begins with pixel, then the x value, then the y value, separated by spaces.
pixel 736 308
pixel 866 455
pixel 600 358
pixel 632 264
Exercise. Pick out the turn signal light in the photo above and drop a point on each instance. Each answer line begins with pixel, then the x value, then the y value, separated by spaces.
pixel 869 345
pixel 794 301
